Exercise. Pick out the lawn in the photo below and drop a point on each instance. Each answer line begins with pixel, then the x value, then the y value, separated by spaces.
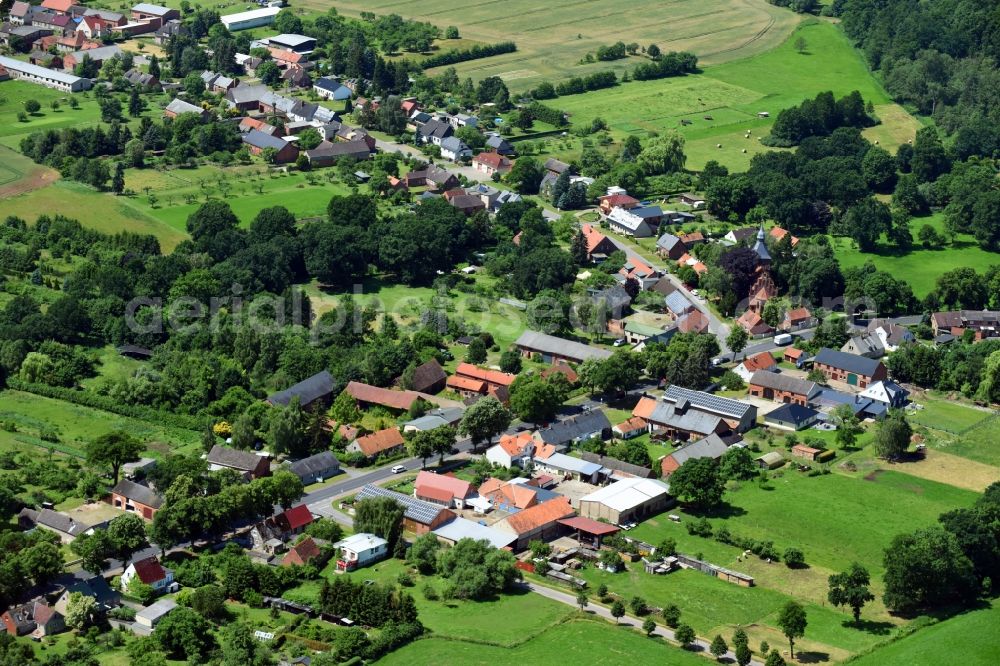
pixel 919 267
pixel 959 639
pixel 580 641
pixel 948 415
pixel 553 38
pixel 76 425
pixel 836 519
pixel 13 95
pixel 981 443
pixel 722 102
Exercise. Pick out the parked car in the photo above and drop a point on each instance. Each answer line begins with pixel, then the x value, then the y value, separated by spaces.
pixel 398 469
pixel 618 343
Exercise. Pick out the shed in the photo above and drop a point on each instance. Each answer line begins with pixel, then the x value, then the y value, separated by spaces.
pixel 151 615
pixel 771 460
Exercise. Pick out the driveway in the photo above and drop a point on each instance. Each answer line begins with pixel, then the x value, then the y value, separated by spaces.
pixel 628 620
pixel 459 169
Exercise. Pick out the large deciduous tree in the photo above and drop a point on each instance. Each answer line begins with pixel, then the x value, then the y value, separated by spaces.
pixel 699 482
pixel 484 420
pixel 113 450
pixel 851 588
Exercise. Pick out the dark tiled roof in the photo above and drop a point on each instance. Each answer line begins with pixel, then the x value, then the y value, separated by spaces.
pixel 425 376
pixel 138 493
pixel 227 457
pixel 259 139
pixel 852 363
pixel 320 462
pixel 577 426
pixel 791 413
pixel 308 390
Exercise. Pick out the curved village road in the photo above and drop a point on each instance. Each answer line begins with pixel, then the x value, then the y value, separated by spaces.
pixel 627 620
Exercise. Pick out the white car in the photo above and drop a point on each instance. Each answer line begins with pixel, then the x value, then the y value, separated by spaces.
pixel 618 343
pixel 398 469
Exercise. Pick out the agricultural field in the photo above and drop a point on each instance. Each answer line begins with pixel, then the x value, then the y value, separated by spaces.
pixel 13 95
pixel 553 38
pixel 939 643
pixel 722 103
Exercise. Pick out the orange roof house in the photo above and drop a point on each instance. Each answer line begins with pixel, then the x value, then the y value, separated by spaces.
pixel 465 385
pixel 597 243
pixel 644 408
pixel 58 6
pixel 563 369
pixel 753 323
pixel 301 553
pixel 693 322
pixel 373 395
pixel 491 163
pixel 777 233
pixel 506 495
pixel 796 317
pixel 494 377
pixel 441 489
pixel 382 441
pixel 537 522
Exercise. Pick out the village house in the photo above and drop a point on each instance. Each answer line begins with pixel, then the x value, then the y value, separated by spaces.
pixel 283 151
pixel 849 368
pixel 797 318
pixel 327 87
pixel 512 450
pixel 328 154
pixel 35 617
pixel 712 447
pixel 627 223
pixel 511 496
pixel 469 204
pixel 791 416
pixel 782 388
pixel 316 468
pixel 250 465
pixel 628 500
pixel 609 202
pixel 887 392
pixel 693 322
pixel 150 572
pixel 866 344
pixel 670 246
pixel 269 535
pixel 633 427
pixel 778 234
pixel 683 414
pixel 154 15
pixel 432 177
pixel 599 246
pixel 615 469
pixel 384 442
pixel 64 526
pixel 565 467
pixel 552 349
pixel 808 452
pixel 178 106
pixel 94 587
pixel 461 528
pixel 640 271
pixel 678 304
pixel 470 379
pixel 692 238
pixel 59 6
pixel 433 132
pixel 435 418
pixel 454 149
pixel 498 144
pixel 428 377
pixel 136 498
pixel 692 200
pixel 491 163
pixel 591 424
pixel 754 323
pixel 419 516
pixel 443 489
pixel 536 523
pixel 758 362
pixel 302 553
pixel 360 550
pixel 142 80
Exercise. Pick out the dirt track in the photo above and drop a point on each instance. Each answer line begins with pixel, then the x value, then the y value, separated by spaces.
pixel 37 178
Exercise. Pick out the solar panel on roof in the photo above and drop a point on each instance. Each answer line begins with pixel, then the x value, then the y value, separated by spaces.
pixel 418 510
pixel 733 408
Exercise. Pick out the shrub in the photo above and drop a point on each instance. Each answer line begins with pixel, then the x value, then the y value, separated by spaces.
pixel 794 558
pixel 430 594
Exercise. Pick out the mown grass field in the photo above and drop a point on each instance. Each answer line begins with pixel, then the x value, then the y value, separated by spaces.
pixel 722 103
pixel 920 267
pixel 968 639
pixel 981 443
pixel 13 95
pixel 944 414
pixel 579 640
pixel 552 38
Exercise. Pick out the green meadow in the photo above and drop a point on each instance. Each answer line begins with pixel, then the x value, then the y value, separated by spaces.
pixel 968 639
pixel 919 266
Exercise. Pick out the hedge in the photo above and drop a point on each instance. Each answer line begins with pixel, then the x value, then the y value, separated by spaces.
pixel 108 404
pixel 474 53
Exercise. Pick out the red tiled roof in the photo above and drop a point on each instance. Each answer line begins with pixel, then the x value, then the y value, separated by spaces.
pixel 427 481
pixel 798 314
pixel 514 445
pixel 644 408
pixel 761 361
pixel 592 236
pixel 777 233
pixel 492 159
pixel 793 352
pixel 149 570
pixel 540 515
pixel 589 526
pixel 375 443
pixel 693 237
pixel 490 485
pixel 58 5
pixel 298 516
pixel 381 396
pixel 619 200
pixel 491 376
pixel 693 322
pixel 562 369
pixel 460 383
pixel 285 56
pixel 301 553
pixel 633 424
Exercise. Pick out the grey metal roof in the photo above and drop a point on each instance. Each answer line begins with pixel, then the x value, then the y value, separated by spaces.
pixel 550 344
pixel 574 427
pixel 179 106
pixel 708 447
pixel 570 464
pixel 462 528
pixel 308 390
pixel 261 140
pixel 146 8
pixel 55 520
pixel 291 39
pixel 454 144
pixel 426 422
pixel 418 510
pixel 36 70
pixel 158 609
pixel 688 420
pixel 618 465
pixel 323 461
pixel 783 382
pixel 647 212
pixel 852 363
pixel 100 53
pixel 667 241
pixel 716 404
pixel 138 492
pixel 227 457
